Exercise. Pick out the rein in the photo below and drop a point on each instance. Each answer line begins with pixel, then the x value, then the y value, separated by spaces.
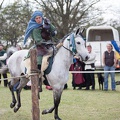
pixel 69 50
pixel 72 52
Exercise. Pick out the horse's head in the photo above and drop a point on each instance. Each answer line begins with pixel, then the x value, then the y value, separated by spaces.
pixel 78 43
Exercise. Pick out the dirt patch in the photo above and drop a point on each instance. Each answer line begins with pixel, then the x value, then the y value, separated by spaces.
pixel 2 111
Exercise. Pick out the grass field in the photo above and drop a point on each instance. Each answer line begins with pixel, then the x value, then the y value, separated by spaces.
pixel 75 104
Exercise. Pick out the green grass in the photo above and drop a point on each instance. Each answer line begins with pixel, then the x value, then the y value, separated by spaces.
pixel 75 104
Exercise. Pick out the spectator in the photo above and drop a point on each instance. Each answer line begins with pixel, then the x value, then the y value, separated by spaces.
pixel 109 61
pixel 77 78
pixel 89 66
pixel 3 57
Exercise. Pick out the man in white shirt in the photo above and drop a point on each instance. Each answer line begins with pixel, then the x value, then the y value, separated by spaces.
pixel 89 66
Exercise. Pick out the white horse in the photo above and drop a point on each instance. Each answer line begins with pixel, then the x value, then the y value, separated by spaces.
pixel 58 75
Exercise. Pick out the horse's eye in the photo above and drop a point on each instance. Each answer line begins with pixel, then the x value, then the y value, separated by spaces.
pixel 78 42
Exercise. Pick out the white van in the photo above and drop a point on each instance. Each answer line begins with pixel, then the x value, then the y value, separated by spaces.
pixel 98 37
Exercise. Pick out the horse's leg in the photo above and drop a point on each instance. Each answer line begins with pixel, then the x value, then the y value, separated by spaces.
pixel 13 95
pixel 16 108
pixel 23 82
pixel 57 98
pixel 46 111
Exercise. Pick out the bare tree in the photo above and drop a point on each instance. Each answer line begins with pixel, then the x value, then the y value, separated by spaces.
pixel 13 22
pixel 1 3
pixel 66 15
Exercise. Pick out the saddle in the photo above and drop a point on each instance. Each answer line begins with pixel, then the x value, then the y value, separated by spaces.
pixel 48 51
pixel 47 59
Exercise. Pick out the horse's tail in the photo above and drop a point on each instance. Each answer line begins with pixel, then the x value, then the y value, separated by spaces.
pixel 10 51
pixel 4 69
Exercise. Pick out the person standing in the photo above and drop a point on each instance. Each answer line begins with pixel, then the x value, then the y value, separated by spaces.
pixel 3 57
pixel 89 66
pixel 77 78
pixel 109 61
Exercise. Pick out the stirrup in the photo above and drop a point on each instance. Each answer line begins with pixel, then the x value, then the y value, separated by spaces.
pixel 39 89
pixel 40 85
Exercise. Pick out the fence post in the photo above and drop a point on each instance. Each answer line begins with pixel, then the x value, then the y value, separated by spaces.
pixel 34 86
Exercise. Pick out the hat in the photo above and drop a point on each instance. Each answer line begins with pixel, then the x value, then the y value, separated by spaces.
pixel 36 13
pixel 32 25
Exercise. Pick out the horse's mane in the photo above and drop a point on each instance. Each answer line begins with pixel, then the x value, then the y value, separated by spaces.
pixel 62 40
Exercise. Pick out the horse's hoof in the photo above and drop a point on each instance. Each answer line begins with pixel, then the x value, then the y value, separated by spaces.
pixel 12 105
pixel 16 109
pixel 44 112
pixel 58 118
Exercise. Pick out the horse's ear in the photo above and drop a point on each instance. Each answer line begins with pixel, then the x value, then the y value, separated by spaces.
pixel 77 31
pixel 80 31
pixel 83 30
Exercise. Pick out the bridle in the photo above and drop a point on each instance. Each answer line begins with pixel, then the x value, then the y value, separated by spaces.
pixel 72 52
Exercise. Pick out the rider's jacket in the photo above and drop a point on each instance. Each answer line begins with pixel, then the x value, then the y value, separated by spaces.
pixel 42 34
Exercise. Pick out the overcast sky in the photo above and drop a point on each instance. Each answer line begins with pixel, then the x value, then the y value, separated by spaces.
pixel 110 7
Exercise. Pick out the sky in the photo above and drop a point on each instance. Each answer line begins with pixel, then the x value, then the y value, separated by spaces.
pixel 110 7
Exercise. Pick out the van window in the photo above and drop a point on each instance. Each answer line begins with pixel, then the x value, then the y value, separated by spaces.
pixel 100 35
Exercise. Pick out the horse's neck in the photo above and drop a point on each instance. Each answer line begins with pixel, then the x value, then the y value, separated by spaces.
pixel 64 56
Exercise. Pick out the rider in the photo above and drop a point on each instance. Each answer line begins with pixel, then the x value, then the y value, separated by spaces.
pixel 41 30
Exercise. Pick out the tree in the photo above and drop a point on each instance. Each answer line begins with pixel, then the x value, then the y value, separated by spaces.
pixel 1 3
pixel 66 15
pixel 13 22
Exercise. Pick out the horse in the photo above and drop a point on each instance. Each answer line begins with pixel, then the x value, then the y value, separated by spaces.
pixel 58 75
